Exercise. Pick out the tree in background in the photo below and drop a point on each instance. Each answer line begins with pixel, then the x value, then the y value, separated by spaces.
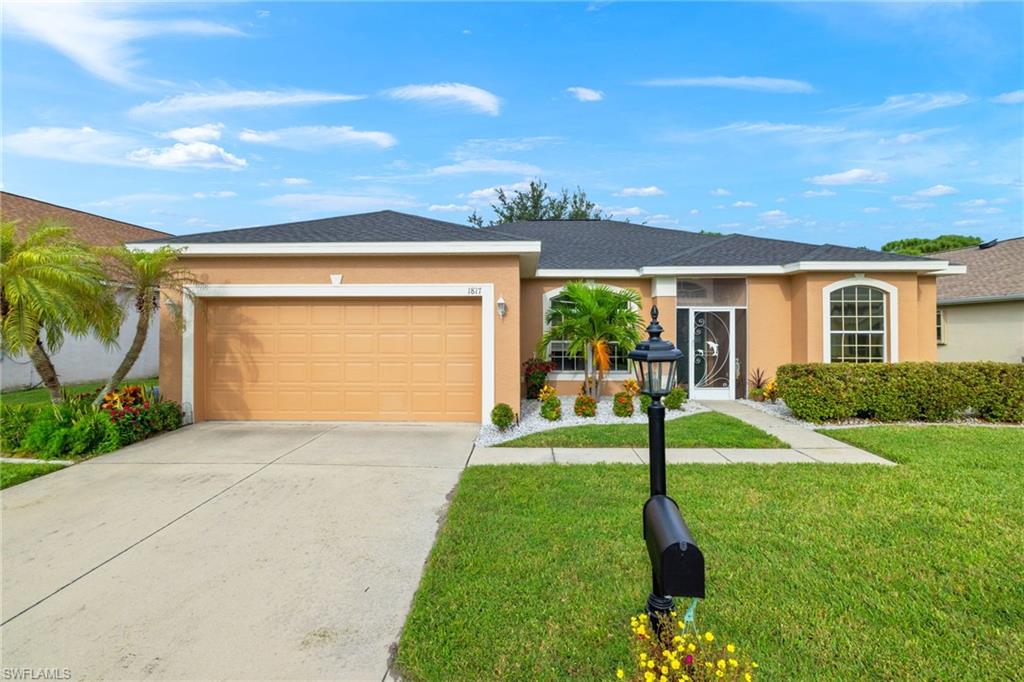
pixel 142 277
pixel 52 285
pixel 536 203
pixel 590 317
pixel 918 246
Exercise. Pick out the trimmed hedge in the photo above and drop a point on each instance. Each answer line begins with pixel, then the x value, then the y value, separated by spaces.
pixel 904 391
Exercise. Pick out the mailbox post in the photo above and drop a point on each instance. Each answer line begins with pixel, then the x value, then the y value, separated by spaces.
pixel 677 565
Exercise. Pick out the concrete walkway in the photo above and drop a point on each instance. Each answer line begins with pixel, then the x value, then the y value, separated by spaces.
pixel 806 446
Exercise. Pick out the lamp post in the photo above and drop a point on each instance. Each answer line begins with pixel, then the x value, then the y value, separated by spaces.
pixel 677 565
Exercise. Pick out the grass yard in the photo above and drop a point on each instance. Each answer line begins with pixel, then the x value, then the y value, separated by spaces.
pixel 40 396
pixel 703 430
pixel 13 474
pixel 821 572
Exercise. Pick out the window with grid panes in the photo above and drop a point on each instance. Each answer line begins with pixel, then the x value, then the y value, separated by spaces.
pixel 857 324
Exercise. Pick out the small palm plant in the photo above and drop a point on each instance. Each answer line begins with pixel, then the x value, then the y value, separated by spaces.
pixel 142 278
pixel 591 317
pixel 52 285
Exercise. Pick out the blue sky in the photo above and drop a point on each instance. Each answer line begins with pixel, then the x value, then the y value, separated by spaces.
pixel 843 123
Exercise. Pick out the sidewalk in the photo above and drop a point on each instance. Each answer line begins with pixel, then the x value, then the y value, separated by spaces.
pixel 806 446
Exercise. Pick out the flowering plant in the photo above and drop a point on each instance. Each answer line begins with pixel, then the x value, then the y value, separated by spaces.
pixel 622 404
pixel 678 655
pixel 770 391
pixel 631 386
pixel 547 392
pixel 535 373
pixel 585 406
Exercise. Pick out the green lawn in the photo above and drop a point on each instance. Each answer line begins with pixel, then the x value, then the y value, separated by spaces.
pixel 822 572
pixel 13 474
pixel 40 396
pixel 704 430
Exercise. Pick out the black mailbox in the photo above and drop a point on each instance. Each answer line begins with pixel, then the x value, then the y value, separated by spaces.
pixel 677 563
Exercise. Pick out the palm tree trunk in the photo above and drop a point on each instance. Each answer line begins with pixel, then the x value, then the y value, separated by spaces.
pixel 47 372
pixel 592 375
pixel 141 332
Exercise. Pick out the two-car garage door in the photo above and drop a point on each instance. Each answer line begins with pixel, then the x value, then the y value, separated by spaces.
pixel 327 359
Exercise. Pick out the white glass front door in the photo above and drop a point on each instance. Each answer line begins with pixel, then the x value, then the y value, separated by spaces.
pixel 712 370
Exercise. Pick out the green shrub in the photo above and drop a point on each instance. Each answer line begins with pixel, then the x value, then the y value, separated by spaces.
pixel 551 409
pixel 91 433
pixel 675 398
pixel 906 391
pixel 645 402
pixel 585 406
pixel 622 404
pixel 502 416
pixel 14 423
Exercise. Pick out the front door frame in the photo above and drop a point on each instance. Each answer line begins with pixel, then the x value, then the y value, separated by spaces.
pixel 727 393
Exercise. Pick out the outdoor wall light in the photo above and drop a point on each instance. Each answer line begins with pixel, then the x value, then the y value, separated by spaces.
pixel 677 564
pixel 502 307
pixel 336 279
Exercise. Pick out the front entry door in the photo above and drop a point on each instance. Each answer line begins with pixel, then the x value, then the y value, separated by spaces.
pixel 712 370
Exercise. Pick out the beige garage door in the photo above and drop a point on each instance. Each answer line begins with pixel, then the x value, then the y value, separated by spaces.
pixel 364 360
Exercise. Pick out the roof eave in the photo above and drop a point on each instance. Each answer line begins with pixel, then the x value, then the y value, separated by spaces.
pixel 1002 298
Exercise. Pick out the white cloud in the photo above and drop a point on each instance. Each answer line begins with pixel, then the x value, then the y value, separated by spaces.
pixel 136 198
pixel 871 209
pixel 316 137
pixel 263 13
pixel 743 204
pixel 936 191
pixel 238 99
pixel 481 147
pixel 914 103
pixel 902 138
pixel 80 145
pixel 487 166
pixel 851 177
pixel 650 191
pixel 917 205
pixel 694 211
pixel 988 210
pixel 204 133
pixel 585 94
pixel 795 133
pixel 720 192
pixel 448 208
pixel 974 202
pixel 338 203
pixel 101 37
pixel 729 226
pixel 626 212
pixel 475 98
pixel 756 83
pixel 1015 97
pixel 295 181
pixel 773 214
pixel 489 194
pixel 965 223
pixel 819 193
pixel 188 155
pixel 219 194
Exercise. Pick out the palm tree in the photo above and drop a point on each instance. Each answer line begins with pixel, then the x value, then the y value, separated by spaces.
pixel 52 285
pixel 590 317
pixel 142 277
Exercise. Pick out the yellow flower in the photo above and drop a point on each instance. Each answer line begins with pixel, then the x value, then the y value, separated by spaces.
pixel 676 665
pixel 719 673
pixel 620 673
pixel 734 663
pixel 664 670
pixel 731 648
pixel 692 647
pixel 650 664
pixel 709 637
pixel 721 664
pixel 649 676
pixel 753 664
pixel 643 657
pixel 747 677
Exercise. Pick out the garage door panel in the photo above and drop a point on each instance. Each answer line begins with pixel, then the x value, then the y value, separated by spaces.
pixel 342 359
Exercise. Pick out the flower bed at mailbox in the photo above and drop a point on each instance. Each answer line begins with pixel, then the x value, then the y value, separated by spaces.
pixel 906 391
pixel 76 428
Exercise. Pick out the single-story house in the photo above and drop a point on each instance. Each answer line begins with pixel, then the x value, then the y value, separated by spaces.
pixel 389 316
pixel 80 359
pixel 981 313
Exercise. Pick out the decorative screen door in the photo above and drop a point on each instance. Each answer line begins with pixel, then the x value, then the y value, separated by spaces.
pixel 712 370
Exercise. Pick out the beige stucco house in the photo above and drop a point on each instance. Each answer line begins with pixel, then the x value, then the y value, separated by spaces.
pixel 981 313
pixel 389 316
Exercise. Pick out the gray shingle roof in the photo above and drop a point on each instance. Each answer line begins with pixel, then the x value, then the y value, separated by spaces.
pixel 379 226
pixel 993 272
pixel 611 244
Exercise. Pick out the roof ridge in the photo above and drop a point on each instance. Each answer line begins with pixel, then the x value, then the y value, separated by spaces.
pixel 715 240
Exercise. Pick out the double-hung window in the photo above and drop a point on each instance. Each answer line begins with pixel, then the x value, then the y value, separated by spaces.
pixel 857 324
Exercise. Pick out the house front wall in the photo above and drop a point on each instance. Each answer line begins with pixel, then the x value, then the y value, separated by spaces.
pixel 500 271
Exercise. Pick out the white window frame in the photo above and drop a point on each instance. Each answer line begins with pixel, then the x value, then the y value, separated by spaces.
pixel 941 327
pixel 483 291
pixel 891 333
pixel 549 297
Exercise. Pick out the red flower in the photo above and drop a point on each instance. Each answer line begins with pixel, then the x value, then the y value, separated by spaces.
pixel 688 660
pixel 145 405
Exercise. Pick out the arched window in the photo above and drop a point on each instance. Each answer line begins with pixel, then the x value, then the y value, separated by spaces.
pixel 558 351
pixel 857 324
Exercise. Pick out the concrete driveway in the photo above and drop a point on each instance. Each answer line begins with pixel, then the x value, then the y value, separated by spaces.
pixel 227 550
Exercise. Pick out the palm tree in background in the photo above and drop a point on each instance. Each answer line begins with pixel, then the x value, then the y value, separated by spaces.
pixel 591 317
pixel 142 278
pixel 51 285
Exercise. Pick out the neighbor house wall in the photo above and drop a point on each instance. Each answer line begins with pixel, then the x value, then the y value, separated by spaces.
pixel 983 331
pixel 501 271
pixel 82 360
pixel 532 326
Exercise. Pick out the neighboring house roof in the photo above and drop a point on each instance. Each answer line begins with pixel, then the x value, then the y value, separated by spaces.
pixel 994 271
pixel 379 226
pixel 564 246
pixel 88 227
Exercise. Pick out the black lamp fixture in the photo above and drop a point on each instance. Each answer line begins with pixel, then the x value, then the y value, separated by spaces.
pixel 677 564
